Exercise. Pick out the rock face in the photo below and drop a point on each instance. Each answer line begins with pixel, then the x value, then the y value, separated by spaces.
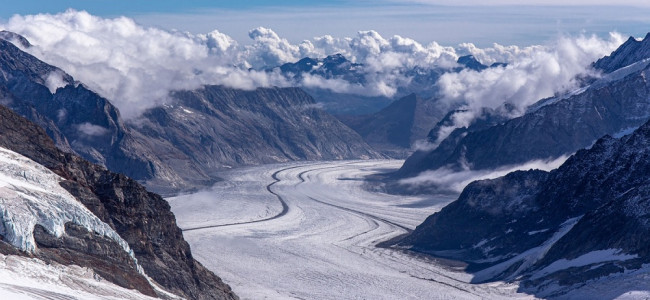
pixel 216 127
pixel 77 119
pixel 553 231
pixel 396 128
pixel 141 218
pixel 616 103
pixel 630 52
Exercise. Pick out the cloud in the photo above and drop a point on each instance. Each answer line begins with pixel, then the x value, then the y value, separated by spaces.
pixel 448 180
pixel 91 129
pixel 55 80
pixel 136 67
pixel 533 73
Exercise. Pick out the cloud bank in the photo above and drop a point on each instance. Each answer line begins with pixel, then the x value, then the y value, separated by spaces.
pixel 136 67
pixel 534 73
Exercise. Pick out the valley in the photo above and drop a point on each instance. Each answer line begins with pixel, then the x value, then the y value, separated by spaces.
pixel 323 244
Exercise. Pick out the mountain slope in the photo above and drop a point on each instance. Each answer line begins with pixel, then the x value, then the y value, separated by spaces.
pixel 142 219
pixel 630 52
pixel 396 128
pixel 181 145
pixel 553 231
pixel 216 127
pixel 618 102
pixel 77 119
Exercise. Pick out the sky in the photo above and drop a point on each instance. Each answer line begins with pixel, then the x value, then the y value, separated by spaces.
pixel 444 21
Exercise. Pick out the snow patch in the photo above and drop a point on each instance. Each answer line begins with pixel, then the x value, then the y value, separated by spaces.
pixel 592 257
pixel 537 231
pixel 529 257
pixel 30 278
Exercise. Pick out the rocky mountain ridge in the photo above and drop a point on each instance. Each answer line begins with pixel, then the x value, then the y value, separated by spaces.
pixel 141 218
pixel 553 231
pixel 614 104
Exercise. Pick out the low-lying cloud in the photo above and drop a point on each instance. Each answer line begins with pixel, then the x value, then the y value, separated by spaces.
pixel 136 67
pixel 446 179
pixel 534 73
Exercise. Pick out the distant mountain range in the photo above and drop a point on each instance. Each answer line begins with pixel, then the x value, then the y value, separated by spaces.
pixel 391 127
pixel 418 80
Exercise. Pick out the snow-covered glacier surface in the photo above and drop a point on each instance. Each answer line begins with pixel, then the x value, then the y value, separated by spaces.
pixel 30 194
pixel 321 244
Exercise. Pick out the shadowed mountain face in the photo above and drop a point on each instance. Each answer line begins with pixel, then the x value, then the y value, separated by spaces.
pixel 143 219
pixel 614 104
pixel 396 128
pixel 553 231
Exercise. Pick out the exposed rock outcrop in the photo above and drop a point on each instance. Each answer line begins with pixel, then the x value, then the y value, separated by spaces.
pixel 141 218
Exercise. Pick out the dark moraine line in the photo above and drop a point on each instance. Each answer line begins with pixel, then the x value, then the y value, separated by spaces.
pixel 302 180
pixel 285 207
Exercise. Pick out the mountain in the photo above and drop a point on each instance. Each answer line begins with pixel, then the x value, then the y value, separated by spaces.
pixel 217 127
pixel 182 144
pixel 418 80
pixel 61 209
pixel 396 128
pixel 630 52
pixel 614 104
pixel 470 62
pixel 78 120
pixel 553 231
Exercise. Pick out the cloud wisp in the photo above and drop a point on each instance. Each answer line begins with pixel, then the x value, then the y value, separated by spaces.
pixel 455 181
pixel 136 66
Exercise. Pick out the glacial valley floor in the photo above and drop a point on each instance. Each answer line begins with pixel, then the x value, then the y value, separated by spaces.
pixel 309 230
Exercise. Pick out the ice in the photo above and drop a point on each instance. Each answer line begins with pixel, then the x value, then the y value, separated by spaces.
pixel 324 246
pixel 30 194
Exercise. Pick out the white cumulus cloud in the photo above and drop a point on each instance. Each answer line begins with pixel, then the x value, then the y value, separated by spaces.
pixel 136 66
pixel 533 73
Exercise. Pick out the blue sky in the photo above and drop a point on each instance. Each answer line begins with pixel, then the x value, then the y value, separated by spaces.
pixel 445 21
